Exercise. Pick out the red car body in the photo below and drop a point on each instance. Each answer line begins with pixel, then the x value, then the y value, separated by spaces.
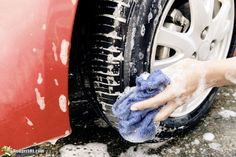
pixel 34 47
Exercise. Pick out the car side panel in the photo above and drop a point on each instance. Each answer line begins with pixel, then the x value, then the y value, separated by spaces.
pixel 34 48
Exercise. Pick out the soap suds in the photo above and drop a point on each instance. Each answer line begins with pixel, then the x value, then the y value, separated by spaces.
pixel 133 38
pixel 227 114
pixel 150 16
pixel 141 55
pixel 215 146
pixel 54 50
pixel 40 78
pixel 67 132
pixel 177 151
pixel 111 80
pixel 180 85
pixel 29 122
pixel 208 136
pixel 195 142
pixel 234 95
pixel 62 103
pixel 64 51
pixel 56 82
pixel 226 94
pixel 53 141
pixel 87 150
pixel 73 2
pixel 111 58
pixel 145 75
pixel 143 29
pixel 40 99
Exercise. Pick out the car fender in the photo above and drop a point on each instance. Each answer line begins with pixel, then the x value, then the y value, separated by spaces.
pixel 34 48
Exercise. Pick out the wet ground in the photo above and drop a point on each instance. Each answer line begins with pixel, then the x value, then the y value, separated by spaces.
pixel 214 136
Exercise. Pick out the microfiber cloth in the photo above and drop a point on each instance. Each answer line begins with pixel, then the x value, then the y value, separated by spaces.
pixel 138 126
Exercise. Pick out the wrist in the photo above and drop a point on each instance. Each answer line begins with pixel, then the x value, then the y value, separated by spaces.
pixel 215 73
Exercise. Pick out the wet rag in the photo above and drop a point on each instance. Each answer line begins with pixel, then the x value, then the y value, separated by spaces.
pixel 138 126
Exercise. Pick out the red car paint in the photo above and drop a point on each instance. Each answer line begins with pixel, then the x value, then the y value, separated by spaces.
pixel 34 45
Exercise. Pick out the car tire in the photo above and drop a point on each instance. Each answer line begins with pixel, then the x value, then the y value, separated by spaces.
pixel 120 50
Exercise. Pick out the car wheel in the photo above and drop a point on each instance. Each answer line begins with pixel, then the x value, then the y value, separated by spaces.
pixel 134 36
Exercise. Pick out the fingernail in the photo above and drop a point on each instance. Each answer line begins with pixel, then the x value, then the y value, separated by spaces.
pixel 133 108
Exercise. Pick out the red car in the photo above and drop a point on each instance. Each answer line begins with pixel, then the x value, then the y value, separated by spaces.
pixel 105 44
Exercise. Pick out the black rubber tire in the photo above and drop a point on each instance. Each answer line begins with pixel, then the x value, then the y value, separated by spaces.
pixel 117 55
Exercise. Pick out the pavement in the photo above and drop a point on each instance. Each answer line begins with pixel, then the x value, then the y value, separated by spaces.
pixel 213 136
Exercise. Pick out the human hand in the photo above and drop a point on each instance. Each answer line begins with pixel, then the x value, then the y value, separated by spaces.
pixel 187 81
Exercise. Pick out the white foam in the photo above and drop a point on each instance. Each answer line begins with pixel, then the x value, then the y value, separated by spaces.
pixel 40 78
pixel 133 37
pixel 215 146
pixel 87 150
pixel 177 76
pixel 226 94
pixel 111 58
pixel 53 141
pixel 143 29
pixel 177 151
pixel 54 49
pixel 140 55
pixel 67 132
pixel 74 2
pixel 62 103
pixel 195 142
pixel 64 51
pixel 227 114
pixel 29 122
pixel 56 82
pixel 150 16
pixel 145 75
pixel 208 136
pixel 40 99
pixel 234 95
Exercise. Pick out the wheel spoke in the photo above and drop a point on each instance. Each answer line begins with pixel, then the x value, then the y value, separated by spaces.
pixel 160 64
pixel 200 14
pixel 180 42
pixel 209 5
pixel 220 24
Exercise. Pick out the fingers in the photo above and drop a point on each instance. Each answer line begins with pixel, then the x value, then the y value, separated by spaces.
pixel 156 101
pixel 166 111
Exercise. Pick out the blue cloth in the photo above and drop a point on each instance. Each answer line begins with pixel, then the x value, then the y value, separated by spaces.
pixel 138 126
